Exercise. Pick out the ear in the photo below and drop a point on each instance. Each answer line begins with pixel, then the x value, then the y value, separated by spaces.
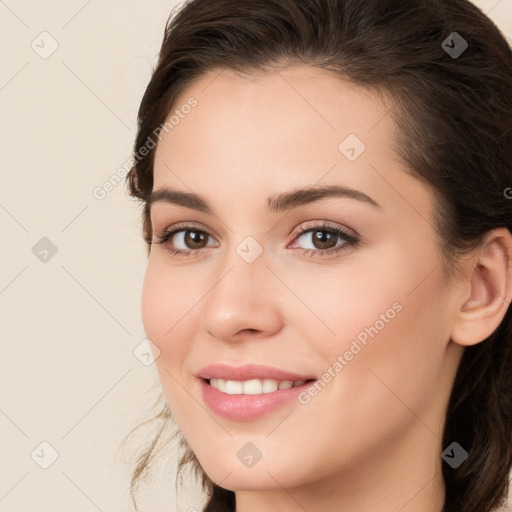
pixel 489 280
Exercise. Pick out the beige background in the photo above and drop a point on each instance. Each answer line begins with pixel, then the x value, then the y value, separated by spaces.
pixel 69 326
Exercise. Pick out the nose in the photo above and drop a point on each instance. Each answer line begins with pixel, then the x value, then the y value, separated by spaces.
pixel 244 301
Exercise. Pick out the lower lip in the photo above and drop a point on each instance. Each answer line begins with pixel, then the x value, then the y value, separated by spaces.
pixel 247 407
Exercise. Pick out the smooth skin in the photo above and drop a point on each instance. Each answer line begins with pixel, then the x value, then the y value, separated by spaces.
pixel 371 439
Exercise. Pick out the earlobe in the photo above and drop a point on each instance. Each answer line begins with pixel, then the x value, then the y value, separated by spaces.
pixel 490 277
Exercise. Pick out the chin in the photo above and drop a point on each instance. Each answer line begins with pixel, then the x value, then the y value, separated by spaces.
pixel 261 476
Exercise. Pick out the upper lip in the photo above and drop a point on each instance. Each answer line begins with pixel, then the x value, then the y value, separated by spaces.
pixel 248 372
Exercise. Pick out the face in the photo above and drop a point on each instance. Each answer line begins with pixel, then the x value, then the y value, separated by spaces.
pixel 343 291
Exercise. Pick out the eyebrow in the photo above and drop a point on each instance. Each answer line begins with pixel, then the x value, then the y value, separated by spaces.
pixel 275 203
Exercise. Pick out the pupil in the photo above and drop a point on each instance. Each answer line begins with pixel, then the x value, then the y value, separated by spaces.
pixel 195 237
pixel 322 237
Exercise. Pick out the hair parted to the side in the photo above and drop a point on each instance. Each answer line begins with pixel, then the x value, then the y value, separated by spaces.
pixel 454 133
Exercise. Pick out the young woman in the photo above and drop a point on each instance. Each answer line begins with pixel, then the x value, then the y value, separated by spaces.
pixel 327 192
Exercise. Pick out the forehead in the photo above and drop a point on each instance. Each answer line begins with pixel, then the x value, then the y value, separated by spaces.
pixel 299 112
pixel 269 131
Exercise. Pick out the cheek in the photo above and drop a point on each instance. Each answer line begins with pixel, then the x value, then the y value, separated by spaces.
pixel 400 336
pixel 167 308
pixel 350 303
pixel 155 303
pixel 167 294
pixel 387 322
pixel 395 340
pixel 166 317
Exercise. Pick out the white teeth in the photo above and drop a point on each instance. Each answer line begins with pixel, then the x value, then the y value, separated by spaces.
pixel 218 384
pixel 252 386
pixel 234 387
pixel 269 385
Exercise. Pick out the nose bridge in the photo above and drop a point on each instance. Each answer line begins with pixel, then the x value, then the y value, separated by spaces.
pixel 240 297
pixel 242 273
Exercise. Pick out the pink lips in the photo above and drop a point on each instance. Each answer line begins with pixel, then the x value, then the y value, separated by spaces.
pixel 248 407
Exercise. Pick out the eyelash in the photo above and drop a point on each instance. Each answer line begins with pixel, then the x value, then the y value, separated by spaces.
pixel 349 239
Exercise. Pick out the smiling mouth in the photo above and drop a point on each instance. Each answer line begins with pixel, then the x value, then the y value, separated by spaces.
pixel 254 386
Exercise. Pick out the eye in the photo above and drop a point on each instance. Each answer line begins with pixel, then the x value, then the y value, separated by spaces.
pixel 323 239
pixel 190 238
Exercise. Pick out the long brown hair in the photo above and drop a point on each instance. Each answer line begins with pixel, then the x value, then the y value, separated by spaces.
pixel 453 114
